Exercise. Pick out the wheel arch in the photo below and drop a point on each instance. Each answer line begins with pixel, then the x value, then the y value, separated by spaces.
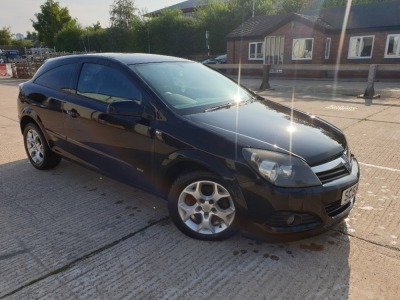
pixel 25 120
pixel 188 161
pixel 31 117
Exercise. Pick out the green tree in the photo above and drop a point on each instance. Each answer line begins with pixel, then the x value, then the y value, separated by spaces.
pixel 22 43
pixel 94 27
pixel 123 14
pixel 5 36
pixel 31 36
pixel 50 21
pixel 138 36
pixel 99 40
pixel 289 6
pixel 70 38
pixel 336 3
pixel 126 28
pixel 174 34
pixel 244 8
pixel 220 18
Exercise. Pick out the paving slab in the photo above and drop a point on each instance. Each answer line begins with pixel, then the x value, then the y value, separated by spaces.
pixel 326 108
pixel 375 216
pixel 376 143
pixel 340 121
pixel 330 266
pixel 63 214
pixel 391 114
pixel 328 89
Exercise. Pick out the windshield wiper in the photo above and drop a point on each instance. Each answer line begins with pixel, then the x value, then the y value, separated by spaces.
pixel 226 105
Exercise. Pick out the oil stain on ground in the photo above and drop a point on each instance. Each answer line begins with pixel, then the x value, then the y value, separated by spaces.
pixel 266 255
pixel 312 247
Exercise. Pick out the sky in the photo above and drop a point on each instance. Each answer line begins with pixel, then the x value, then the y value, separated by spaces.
pixel 18 14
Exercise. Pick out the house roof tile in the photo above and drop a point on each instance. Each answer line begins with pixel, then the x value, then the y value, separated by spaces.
pixel 259 26
pixel 378 15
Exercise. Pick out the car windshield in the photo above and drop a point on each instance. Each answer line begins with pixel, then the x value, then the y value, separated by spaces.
pixel 190 87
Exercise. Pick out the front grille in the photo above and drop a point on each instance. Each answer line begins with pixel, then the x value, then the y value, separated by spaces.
pixel 333 209
pixel 279 221
pixel 332 174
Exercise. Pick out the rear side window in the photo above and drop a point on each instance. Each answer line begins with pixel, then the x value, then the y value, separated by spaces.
pixel 106 84
pixel 59 78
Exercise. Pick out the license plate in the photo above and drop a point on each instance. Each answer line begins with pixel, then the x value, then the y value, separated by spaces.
pixel 349 194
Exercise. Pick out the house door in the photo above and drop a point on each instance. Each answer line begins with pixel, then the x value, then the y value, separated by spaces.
pixel 274 46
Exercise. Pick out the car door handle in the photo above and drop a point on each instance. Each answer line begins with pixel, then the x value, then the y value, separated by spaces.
pixel 73 113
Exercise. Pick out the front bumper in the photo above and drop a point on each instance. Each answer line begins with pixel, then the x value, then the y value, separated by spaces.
pixel 296 213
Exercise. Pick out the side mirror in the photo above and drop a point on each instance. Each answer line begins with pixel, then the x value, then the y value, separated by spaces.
pixel 125 108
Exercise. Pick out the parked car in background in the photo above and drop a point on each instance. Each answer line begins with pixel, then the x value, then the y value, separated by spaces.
pixel 221 155
pixel 9 56
pixel 221 59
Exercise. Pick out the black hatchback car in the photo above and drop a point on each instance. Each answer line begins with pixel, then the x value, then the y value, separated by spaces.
pixel 220 154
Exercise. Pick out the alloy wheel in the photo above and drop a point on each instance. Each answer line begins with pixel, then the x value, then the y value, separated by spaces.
pixel 34 146
pixel 206 207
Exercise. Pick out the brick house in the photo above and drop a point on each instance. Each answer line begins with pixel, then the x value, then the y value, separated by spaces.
pixel 371 36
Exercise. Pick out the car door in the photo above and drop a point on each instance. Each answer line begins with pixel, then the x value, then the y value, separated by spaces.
pixel 119 145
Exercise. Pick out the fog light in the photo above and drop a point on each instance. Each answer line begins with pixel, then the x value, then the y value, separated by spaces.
pixel 293 220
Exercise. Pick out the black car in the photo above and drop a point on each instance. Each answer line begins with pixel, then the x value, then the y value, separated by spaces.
pixel 221 59
pixel 219 154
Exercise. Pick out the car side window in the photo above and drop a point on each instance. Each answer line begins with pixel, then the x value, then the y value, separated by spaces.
pixel 59 78
pixel 106 84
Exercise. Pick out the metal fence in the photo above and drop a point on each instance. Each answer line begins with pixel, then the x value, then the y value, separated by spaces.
pixel 26 68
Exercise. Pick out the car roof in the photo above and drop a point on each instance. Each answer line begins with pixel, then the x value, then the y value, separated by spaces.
pixel 126 58
pixel 122 58
pixel 223 56
pixel 140 58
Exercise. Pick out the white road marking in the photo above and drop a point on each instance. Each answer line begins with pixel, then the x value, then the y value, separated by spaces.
pixel 341 107
pixel 379 167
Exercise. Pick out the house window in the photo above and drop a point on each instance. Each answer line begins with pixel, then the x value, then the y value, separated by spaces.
pixel 256 51
pixel 392 46
pixel 302 49
pixel 274 50
pixel 361 46
pixel 327 47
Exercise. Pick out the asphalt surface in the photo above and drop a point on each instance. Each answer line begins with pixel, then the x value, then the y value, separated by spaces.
pixel 70 233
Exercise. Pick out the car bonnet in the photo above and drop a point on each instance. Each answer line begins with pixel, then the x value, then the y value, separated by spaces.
pixel 271 126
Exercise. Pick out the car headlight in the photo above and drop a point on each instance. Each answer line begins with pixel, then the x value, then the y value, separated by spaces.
pixel 348 154
pixel 281 169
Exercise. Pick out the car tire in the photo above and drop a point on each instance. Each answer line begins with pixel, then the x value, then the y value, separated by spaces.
pixel 37 150
pixel 202 207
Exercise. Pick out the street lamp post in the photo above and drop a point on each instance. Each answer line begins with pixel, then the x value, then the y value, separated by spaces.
pixel 207 43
